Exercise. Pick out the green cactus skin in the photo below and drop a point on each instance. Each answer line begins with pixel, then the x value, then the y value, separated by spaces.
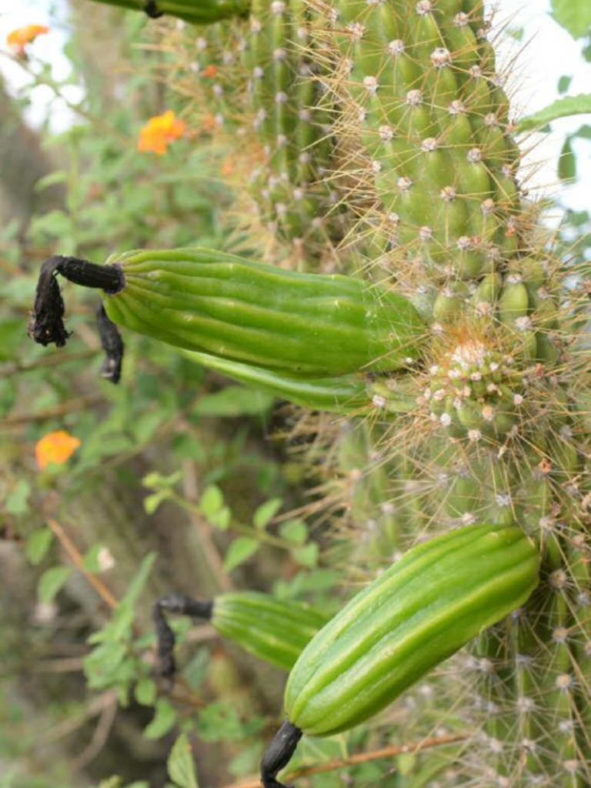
pixel 433 601
pixel 434 122
pixel 301 325
pixel 273 630
pixel 292 125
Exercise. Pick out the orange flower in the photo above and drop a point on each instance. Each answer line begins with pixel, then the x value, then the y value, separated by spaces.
pixel 18 39
pixel 209 72
pixel 55 447
pixel 159 131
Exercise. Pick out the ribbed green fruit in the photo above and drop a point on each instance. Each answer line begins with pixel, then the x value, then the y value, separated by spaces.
pixel 439 596
pixel 198 12
pixel 301 325
pixel 271 629
pixel 342 394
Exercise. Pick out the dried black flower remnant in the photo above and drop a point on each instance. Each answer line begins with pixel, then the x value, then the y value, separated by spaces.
pixel 47 324
pixel 47 320
pixel 112 345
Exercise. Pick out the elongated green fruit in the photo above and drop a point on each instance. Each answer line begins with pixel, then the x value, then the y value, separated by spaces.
pixel 425 607
pixel 439 596
pixel 340 394
pixel 198 12
pixel 271 629
pixel 303 325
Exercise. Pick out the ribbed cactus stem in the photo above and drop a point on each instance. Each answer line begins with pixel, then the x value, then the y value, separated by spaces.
pixel 292 125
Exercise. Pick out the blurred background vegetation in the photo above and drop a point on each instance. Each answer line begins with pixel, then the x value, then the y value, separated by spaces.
pixel 175 479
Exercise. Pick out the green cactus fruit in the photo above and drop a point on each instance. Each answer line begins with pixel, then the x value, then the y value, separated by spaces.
pixel 271 629
pixel 197 12
pixel 342 394
pixel 301 325
pixel 305 326
pixel 439 596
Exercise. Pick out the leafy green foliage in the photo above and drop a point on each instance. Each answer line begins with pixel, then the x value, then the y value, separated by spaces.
pixel 573 15
pixel 240 550
pixel 561 108
pixel 51 581
pixel 38 543
pixel 181 768
pixel 115 660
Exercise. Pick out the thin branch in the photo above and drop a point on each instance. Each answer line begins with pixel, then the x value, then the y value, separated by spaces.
pixel 76 558
pixel 64 665
pixel 100 735
pixel 53 360
pixel 70 406
pixel 94 707
pixel 355 760
pixel 181 692
pixel 210 550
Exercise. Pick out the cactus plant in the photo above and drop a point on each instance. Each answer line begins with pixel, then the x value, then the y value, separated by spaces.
pixel 491 424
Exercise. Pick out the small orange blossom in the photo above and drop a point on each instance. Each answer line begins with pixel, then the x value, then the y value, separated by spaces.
pixel 55 447
pixel 18 39
pixel 159 131
pixel 209 72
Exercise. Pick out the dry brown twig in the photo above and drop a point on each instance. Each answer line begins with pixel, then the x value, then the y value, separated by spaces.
pixel 359 758
pixel 181 692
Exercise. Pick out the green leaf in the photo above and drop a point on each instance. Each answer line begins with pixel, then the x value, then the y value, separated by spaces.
pixel 51 581
pixel 220 722
pixel 139 581
pixel 111 782
pixel 584 132
pixel 38 544
pixel 567 163
pixel 306 556
pixel 153 501
pixel 163 720
pixel 59 176
pixel 221 519
pixel 146 425
pixel 235 401
pixel 152 480
pixel 561 108
pixel 156 481
pixel 573 16
pixel 16 501
pixel 181 767
pixel 211 501
pixel 90 562
pixel 564 83
pixel 239 551
pixel 146 692
pixel 295 531
pixel 265 513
